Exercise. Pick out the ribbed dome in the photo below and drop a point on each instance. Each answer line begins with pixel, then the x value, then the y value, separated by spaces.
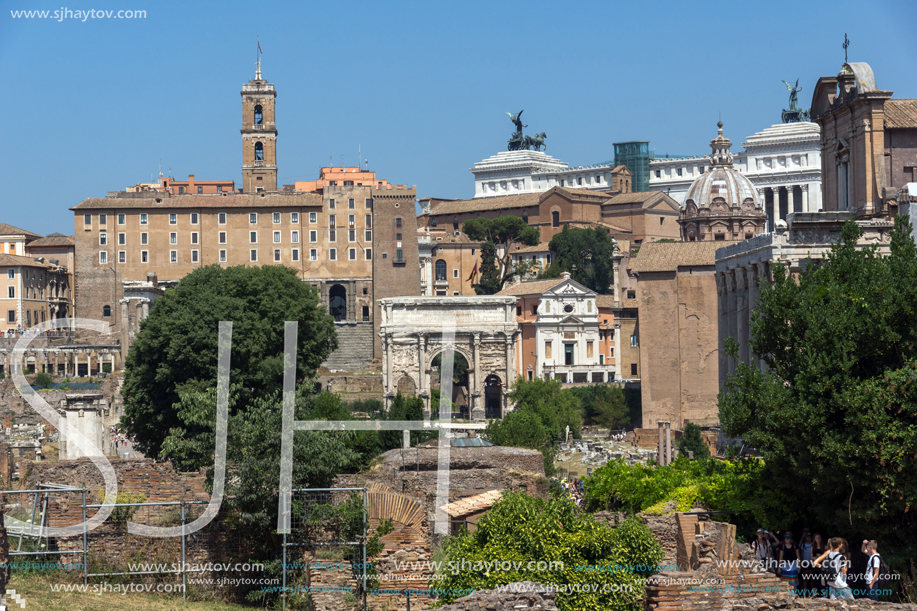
pixel 722 180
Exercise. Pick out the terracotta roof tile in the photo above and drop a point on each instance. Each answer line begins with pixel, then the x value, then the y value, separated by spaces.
pixel 483 204
pixel 636 197
pixel 605 301
pixel 587 192
pixel 543 247
pixel 535 287
pixel 53 240
pixel 6 229
pixel 901 114
pixel 16 260
pixel 472 504
pixel 668 256
pixel 232 200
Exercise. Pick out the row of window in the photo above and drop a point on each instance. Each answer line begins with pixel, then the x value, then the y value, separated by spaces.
pixel 194 218
pixel 30 292
pixel 11 317
pixel 253 256
pixel 252 237
pixel 11 274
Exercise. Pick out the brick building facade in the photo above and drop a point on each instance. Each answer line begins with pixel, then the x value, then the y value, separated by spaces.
pixel 354 242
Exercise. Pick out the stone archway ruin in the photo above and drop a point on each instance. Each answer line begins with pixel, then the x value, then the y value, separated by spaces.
pixel 485 334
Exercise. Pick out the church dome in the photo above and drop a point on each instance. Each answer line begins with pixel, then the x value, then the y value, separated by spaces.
pixel 721 181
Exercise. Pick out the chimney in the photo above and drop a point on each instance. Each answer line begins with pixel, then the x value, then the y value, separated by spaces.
pixel 565 275
pixel 151 277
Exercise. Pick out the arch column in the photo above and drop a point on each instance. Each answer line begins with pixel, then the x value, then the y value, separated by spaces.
pixel 805 197
pixel 477 395
pixel 422 391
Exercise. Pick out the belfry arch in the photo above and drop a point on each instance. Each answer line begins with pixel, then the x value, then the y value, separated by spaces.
pixel 485 334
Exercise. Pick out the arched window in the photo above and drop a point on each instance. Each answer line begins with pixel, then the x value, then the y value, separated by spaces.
pixel 106 311
pixel 454 223
pixel 259 116
pixel 525 217
pixel 337 305
pixel 555 219
pixel 259 151
pixel 440 270
pixel 433 222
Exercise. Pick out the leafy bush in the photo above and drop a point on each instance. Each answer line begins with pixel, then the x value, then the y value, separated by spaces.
pixel 718 485
pixel 692 442
pixel 43 380
pixel 543 411
pixel 123 513
pixel 603 405
pixel 592 559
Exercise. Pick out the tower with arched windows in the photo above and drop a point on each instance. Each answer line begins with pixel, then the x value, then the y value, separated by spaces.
pixel 259 136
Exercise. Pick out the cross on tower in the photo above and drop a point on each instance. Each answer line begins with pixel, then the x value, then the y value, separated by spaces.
pixel 846 44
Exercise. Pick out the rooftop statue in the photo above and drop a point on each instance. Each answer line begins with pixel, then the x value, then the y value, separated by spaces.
pixel 793 114
pixel 519 142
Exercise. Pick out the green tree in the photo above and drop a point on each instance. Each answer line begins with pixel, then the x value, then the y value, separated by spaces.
pixel 603 405
pixel 692 441
pixel 542 413
pixel 835 414
pixel 504 232
pixel 491 280
pixel 587 255
pixel 528 533
pixel 404 408
pixel 459 367
pixel 176 348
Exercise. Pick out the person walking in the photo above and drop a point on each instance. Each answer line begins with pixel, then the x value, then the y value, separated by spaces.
pixel 837 573
pixel 788 557
pixel 816 576
pixel 871 582
pixel 805 571
pixel 762 547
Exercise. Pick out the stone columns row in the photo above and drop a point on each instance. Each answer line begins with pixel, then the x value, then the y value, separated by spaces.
pixel 664 454
pixel 738 291
pixel 773 211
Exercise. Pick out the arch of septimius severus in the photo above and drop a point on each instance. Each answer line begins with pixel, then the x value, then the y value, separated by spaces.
pixel 485 333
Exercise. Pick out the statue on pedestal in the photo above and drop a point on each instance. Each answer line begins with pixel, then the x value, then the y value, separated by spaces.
pixel 793 114
pixel 520 142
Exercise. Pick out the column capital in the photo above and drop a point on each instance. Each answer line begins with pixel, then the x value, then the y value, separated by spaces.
pixel 804 187
pixel 477 339
pixel 752 273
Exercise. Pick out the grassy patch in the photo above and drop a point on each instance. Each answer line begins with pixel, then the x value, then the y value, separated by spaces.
pixel 36 591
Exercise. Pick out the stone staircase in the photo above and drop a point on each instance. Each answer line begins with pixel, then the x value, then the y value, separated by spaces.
pixel 355 347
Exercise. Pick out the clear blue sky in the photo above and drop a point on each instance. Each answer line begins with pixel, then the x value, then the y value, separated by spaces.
pixel 93 106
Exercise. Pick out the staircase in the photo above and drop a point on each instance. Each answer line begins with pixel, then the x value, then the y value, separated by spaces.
pixel 355 347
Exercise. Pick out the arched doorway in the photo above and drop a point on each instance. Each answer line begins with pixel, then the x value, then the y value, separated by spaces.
pixel 337 302
pixel 493 397
pixel 459 395
pixel 406 387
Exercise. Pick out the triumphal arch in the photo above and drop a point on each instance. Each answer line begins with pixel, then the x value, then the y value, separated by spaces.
pixel 415 330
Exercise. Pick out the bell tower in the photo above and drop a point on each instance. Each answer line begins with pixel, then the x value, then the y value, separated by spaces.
pixel 259 135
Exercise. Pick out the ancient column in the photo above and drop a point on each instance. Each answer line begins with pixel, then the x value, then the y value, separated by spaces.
pixel 145 305
pixel 386 369
pixel 477 411
pixel 730 314
pixel 754 292
pixel 668 443
pixel 138 315
pixel 742 313
pixel 422 375
pixel 805 197
pixel 660 445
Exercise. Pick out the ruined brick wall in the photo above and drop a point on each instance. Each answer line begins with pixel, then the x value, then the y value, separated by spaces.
pixel 351 388
pixel 521 595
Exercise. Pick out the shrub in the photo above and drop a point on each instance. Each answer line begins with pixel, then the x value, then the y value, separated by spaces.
pixel 43 380
pixel 692 442
pixel 636 547
pixel 521 531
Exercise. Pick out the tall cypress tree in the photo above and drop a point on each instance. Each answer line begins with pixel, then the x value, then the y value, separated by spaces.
pixel 490 282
